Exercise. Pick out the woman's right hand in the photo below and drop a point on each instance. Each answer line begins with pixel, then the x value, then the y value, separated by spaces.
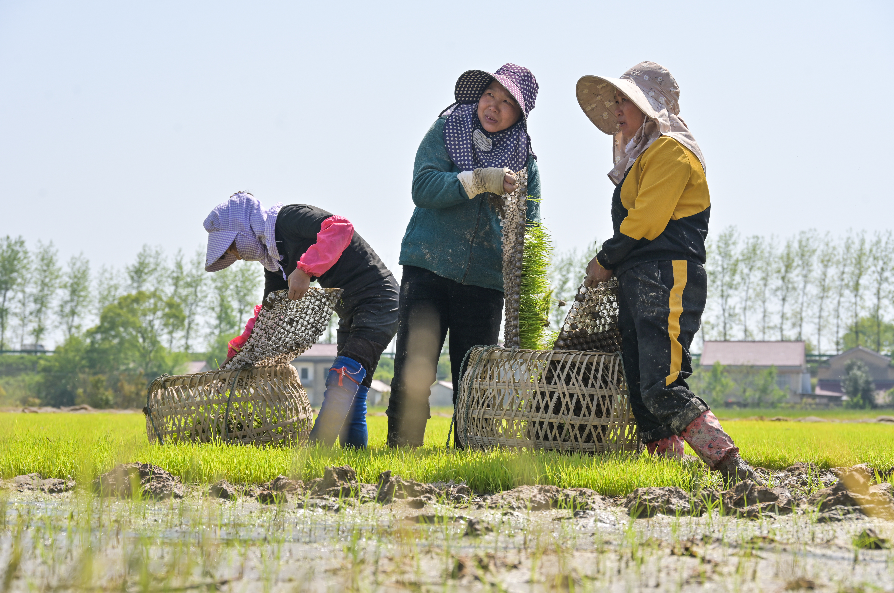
pixel 596 274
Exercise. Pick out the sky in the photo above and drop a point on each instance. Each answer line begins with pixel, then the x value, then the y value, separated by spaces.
pixel 124 123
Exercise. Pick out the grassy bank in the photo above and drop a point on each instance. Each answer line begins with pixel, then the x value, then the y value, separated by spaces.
pixel 843 414
pixel 83 446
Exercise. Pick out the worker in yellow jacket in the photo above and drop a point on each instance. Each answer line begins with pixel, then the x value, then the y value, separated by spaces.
pixel 660 212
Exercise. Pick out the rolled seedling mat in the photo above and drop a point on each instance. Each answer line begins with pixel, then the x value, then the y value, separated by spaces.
pixel 545 399
pixel 285 328
pixel 592 321
pixel 256 405
pixel 512 209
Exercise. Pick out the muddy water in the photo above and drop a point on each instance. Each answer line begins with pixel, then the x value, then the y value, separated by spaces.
pixel 76 541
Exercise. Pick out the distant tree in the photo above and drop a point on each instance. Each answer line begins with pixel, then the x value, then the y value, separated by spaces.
pixel 193 293
pixel 147 271
pixel 723 271
pixel 248 288
pixel 881 256
pixel 868 326
pixel 712 385
pixel 13 255
pixel 858 385
pixel 765 276
pixel 842 262
pixel 759 389
pixel 224 322
pixel 565 277
pixel 784 284
pixel 45 286
pixel 805 259
pixel 224 319
pixel 129 333
pixel 858 265
pixel 751 259
pixel 107 289
pixel 824 283
pixel 385 370
pixel 176 279
pixel 61 375
pixel 75 294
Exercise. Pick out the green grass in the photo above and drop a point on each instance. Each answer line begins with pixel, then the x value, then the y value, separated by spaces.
pixel 82 446
pixel 825 413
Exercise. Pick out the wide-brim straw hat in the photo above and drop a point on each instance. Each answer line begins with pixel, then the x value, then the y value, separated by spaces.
pixel 649 85
pixel 518 80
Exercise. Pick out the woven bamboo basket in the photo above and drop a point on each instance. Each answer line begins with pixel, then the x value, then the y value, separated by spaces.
pixel 573 398
pixel 260 405
pixel 256 396
pixel 561 400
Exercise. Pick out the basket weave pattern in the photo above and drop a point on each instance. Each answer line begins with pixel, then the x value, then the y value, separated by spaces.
pixel 592 321
pixel 285 328
pixel 263 405
pixel 558 400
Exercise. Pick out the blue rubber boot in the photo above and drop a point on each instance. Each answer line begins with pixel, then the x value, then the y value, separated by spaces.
pixel 354 433
pixel 342 385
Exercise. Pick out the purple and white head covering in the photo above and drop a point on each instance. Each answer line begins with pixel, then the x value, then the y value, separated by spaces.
pixel 471 146
pixel 243 220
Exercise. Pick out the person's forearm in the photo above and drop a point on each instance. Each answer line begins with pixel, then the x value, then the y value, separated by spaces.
pixel 334 237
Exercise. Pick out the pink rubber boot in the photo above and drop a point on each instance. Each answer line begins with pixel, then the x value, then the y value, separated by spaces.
pixel 670 447
pixel 717 449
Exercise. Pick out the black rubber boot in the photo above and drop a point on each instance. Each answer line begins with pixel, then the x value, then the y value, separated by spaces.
pixel 735 469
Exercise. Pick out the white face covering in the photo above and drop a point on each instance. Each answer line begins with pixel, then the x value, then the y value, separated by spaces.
pixel 652 129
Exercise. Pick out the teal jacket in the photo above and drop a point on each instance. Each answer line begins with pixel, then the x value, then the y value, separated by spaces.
pixel 449 234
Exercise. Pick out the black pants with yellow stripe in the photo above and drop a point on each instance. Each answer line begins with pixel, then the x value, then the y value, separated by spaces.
pixel 660 309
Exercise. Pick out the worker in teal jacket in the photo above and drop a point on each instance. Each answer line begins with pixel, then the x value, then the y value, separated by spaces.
pixel 452 249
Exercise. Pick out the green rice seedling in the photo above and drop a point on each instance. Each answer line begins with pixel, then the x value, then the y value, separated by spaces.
pixel 535 293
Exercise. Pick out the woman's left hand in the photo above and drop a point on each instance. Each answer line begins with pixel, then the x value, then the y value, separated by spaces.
pixel 510 183
pixel 596 274
pixel 299 282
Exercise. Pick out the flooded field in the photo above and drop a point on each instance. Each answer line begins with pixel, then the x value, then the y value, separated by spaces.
pixel 337 535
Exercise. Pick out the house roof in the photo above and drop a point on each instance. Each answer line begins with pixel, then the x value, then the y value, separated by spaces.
pixel 827 392
pixel 779 354
pixel 857 352
pixel 320 351
pixel 196 366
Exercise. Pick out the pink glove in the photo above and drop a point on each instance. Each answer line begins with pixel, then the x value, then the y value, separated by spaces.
pixel 334 237
pixel 236 344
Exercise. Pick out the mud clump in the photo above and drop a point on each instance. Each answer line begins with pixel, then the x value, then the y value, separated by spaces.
pixel 477 528
pixel 138 479
pixel 749 500
pixel 668 500
pixel 854 490
pixel 801 479
pixel 541 498
pixel 224 490
pixel 338 482
pixel 391 487
pixel 284 484
pixel 36 483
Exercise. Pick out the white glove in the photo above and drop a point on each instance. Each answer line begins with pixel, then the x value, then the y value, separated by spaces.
pixel 479 181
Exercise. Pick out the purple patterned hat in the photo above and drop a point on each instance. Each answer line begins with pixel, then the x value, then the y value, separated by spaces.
pixel 518 80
